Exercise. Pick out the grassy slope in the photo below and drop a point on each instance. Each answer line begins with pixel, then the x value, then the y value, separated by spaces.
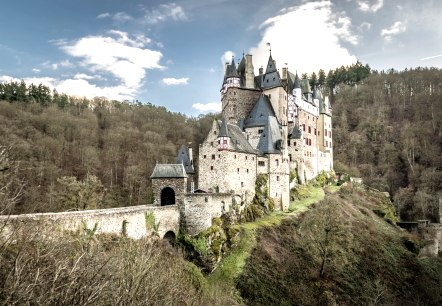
pixel 369 263
pixel 231 266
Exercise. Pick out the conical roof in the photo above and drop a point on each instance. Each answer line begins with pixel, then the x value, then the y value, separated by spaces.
pixel 184 158
pixel 260 112
pixel 223 130
pixel 270 65
pixel 270 140
pixel 296 133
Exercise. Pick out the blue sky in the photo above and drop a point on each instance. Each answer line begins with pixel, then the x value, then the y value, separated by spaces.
pixel 172 53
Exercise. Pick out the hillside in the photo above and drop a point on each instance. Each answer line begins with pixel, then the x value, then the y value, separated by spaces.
pixel 340 252
pixel 88 154
pixel 388 130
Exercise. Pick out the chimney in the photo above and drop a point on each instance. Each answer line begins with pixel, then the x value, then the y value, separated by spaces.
pixel 250 76
pixel 284 73
pixel 261 70
pixel 190 155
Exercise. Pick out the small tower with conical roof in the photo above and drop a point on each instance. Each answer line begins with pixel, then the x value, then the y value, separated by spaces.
pixel 231 77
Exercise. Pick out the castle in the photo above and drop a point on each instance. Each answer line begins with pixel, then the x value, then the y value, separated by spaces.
pixel 272 123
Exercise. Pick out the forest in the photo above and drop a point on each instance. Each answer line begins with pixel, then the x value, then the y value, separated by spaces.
pixel 66 153
pixel 388 130
pixel 70 153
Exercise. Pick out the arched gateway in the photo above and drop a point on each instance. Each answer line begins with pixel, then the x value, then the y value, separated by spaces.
pixel 167 196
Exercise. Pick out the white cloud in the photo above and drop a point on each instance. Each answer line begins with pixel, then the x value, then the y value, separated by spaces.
pixel 165 12
pixel 36 70
pixel 83 76
pixel 365 26
pixel 227 57
pixel 397 28
pixel 103 15
pixel 79 86
pixel 117 54
pixel 122 56
pixel 121 17
pixel 365 6
pixel 207 107
pixel 174 81
pixel 316 44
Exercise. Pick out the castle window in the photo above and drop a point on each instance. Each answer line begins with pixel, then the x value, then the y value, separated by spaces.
pixel 219 155
pixel 253 158
pixel 303 127
pixel 204 156
pixel 213 156
pixel 261 163
pixel 211 143
pixel 310 129
pixel 242 184
pixel 277 178
pixel 234 156
pixel 237 170
pixel 260 131
pixel 219 141
pixel 294 143
pixel 214 132
pixel 329 134
pixel 277 162
pixel 290 157
pixel 319 133
pixel 211 167
pixel 315 131
pixel 246 157
pixel 326 143
pixel 247 170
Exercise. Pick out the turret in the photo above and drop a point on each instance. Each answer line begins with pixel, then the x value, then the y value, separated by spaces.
pixel 297 87
pixel 231 77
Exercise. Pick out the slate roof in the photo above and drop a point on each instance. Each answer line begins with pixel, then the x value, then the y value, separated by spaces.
pixel 305 86
pixel 296 133
pixel 231 70
pixel 270 141
pixel 184 158
pixel 238 141
pixel 260 112
pixel 223 130
pixel 271 79
pixel 168 171
pixel 270 65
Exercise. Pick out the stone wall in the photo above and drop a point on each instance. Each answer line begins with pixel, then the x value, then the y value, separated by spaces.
pixel 278 182
pixel 224 171
pixel 200 208
pixel 108 221
pixel 238 102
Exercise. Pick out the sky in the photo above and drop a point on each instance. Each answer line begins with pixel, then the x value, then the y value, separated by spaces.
pixel 172 54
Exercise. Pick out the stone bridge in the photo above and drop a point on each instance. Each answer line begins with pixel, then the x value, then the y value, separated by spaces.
pixel 128 220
